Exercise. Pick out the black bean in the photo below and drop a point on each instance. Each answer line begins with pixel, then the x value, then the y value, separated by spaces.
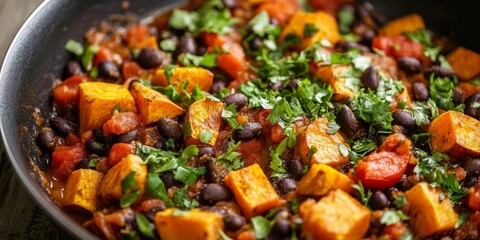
pixel 286 185
pixel 239 99
pixel 403 184
pixel 281 227
pixel 379 200
pixel 403 118
pixel 367 36
pixel 347 121
pixel 380 138
pixel 46 140
pixel 218 85
pixel 470 181
pixel 98 135
pixel 213 193
pixel 370 79
pixel 230 4
pixel 169 128
pixel 250 130
pixel 168 180
pixel 128 137
pixel 61 126
pixel 214 173
pixel 420 91
pixel 187 44
pixel 150 214
pixel 85 163
pixel 206 150
pixel 390 191
pixel 346 46
pixel 439 71
pixel 457 96
pixel 98 148
pixel 472 105
pixel 107 69
pixel 472 166
pixel 150 58
pixel 234 222
pixel 409 65
pixel 295 167
pixel 73 68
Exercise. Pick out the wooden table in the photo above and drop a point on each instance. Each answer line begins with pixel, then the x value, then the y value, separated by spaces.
pixel 20 218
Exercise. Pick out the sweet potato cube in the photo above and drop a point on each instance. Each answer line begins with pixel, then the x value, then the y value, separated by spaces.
pixel 153 105
pixel 324 28
pixel 327 146
pixel 456 134
pixel 335 216
pixel 81 189
pixel 193 76
pixel 429 214
pixel 333 74
pixel 320 179
pixel 203 117
pixel 409 23
pixel 252 190
pixel 97 101
pixel 465 62
pixel 111 185
pixel 192 225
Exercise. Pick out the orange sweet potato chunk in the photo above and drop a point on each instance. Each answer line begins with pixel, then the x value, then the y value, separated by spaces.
pixel 252 190
pixel 327 146
pixel 456 134
pixel 320 179
pixel 111 185
pixel 203 117
pixel 409 23
pixel 428 214
pixel 192 225
pixel 327 28
pixel 193 75
pixel 333 75
pixel 97 101
pixel 81 189
pixel 335 216
pixel 465 62
pixel 153 105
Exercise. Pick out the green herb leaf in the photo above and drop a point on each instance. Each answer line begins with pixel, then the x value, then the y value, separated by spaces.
pixel 312 150
pixel 364 196
pixel 74 47
pixel 231 159
pixel 156 188
pixel 261 227
pixel 441 92
pixel 332 128
pixel 390 217
pixel 223 235
pixel 182 20
pixel 345 19
pixel 276 163
pixel 462 219
pixel 87 57
pixel 168 45
pixel 374 110
pixel 399 201
pixel 181 199
pixel 129 190
pixel 179 213
pixel 309 30
pixel 146 228
pixel 169 71
pixel 208 60
pixel 230 115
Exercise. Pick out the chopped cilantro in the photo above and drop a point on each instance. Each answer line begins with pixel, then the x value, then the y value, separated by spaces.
pixel 230 115
pixel 345 19
pixel 374 110
pixel 181 199
pixel 399 201
pixel 92 163
pixel 261 226
pixel 343 149
pixel 364 196
pixel 94 73
pixel 332 128
pixel 129 190
pixel 294 204
pixel 208 60
pixel 276 163
pixel 231 159
pixel 424 112
pixel 168 45
pixel 74 47
pixel 462 219
pixel 156 188
pixel 390 217
pixel 309 30
pixel 117 108
pixel 441 92
pixel 425 38
pixel 179 213
pixel 361 148
pixel 223 235
pixel 146 228
pixel 311 151
pixel 169 71
pixel 183 20
pixel 205 136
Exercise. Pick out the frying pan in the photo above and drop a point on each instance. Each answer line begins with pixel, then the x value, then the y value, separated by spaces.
pixel 36 57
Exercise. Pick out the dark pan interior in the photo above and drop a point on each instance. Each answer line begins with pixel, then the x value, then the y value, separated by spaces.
pixel 36 58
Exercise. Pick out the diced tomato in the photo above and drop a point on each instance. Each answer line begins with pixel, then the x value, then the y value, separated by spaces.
pixel 399 46
pixel 233 62
pixel 280 10
pixel 394 231
pixel 253 146
pixel 474 198
pixel 102 54
pixel 261 117
pixel 213 39
pixel 277 134
pixel 121 123
pixel 72 139
pixel 65 160
pixel 118 152
pixel 382 169
pixel 136 34
pixel 131 69
pixel 67 92
pixel 330 6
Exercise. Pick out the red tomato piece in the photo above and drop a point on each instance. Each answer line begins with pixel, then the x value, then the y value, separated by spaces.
pixel 233 62
pixel 278 134
pixel 118 152
pixel 399 46
pixel 474 198
pixel 65 160
pixel 136 34
pixel 394 231
pixel 280 10
pixel 121 123
pixel 131 69
pixel 67 92
pixel 102 54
